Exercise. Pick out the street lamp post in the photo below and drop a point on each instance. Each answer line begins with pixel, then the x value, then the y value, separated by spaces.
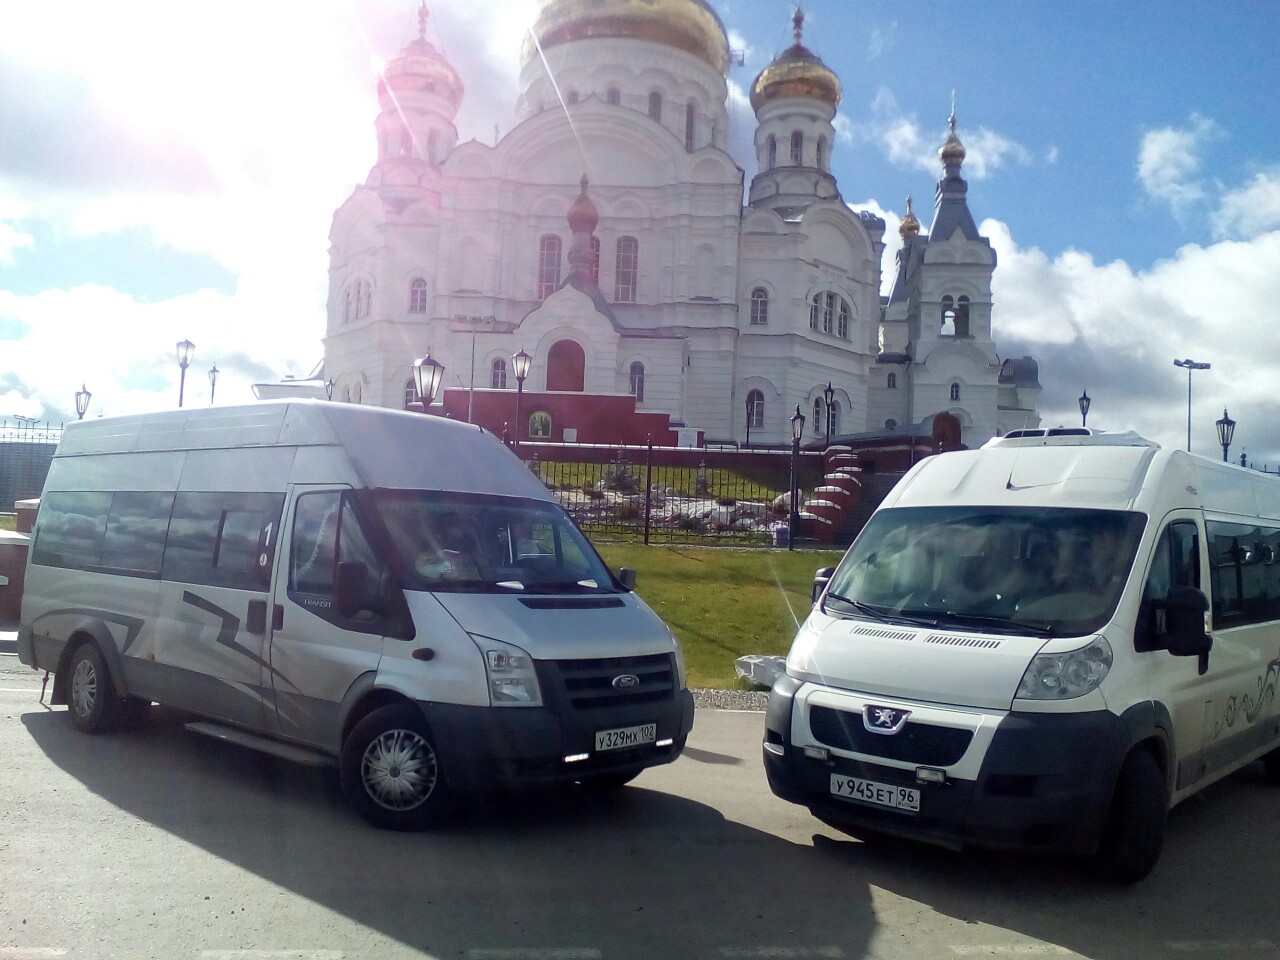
pixel 427 374
pixel 213 382
pixel 1084 402
pixel 82 401
pixel 185 347
pixel 1226 430
pixel 829 395
pixel 797 431
pixel 520 367
pixel 328 388
pixel 750 411
pixel 1190 365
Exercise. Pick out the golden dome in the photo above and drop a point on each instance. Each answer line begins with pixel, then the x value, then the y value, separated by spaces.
pixel 583 215
pixel 910 226
pixel 688 25
pixel 798 72
pixel 952 152
pixel 420 66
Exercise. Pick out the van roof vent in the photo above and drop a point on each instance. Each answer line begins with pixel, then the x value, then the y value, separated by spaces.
pixel 1069 436
pixel 946 641
pixel 883 634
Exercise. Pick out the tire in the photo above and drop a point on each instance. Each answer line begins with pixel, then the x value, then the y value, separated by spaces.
pixel 391 772
pixel 91 697
pixel 1271 767
pixel 608 782
pixel 135 713
pixel 1134 831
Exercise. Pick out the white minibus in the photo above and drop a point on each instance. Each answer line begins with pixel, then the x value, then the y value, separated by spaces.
pixel 391 592
pixel 1042 645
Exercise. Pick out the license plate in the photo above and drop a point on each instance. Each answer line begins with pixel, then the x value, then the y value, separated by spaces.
pixel 880 794
pixel 624 737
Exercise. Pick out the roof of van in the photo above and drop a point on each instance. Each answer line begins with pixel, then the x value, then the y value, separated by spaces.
pixel 386 448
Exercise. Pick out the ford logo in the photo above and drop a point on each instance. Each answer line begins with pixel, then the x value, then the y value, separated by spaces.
pixel 887 720
pixel 626 681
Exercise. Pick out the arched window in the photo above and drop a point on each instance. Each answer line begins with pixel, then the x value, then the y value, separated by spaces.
pixel 817 417
pixel 571 96
pixel 433 147
pixel 755 409
pixel 418 296
pixel 759 306
pixel 358 301
pixel 498 375
pixel 828 312
pixel 655 106
pixel 842 323
pixel 955 391
pixel 595 259
pixel 797 148
pixel 637 381
pixel 625 270
pixel 410 394
pixel 773 151
pixel 822 153
pixel 892 381
pixel 948 317
pixel 548 265
pixel 962 317
pixel 348 311
pixel 368 300
pixel 891 424
pixel 815 308
pixel 613 95
pixel 566 366
pixel 406 143
pixel 690 116
pixel 833 414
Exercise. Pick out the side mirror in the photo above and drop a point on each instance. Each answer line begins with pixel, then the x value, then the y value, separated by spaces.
pixel 1183 632
pixel 627 577
pixel 351 589
pixel 820 581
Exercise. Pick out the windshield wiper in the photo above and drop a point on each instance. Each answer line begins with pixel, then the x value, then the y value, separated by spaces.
pixel 877 613
pixel 1002 624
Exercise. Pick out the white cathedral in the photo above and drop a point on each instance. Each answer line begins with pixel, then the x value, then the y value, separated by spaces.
pixel 606 236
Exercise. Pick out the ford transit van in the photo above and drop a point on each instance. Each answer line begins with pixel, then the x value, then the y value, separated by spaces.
pixel 1043 645
pixel 390 592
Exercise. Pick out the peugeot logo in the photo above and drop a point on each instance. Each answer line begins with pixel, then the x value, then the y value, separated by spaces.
pixel 887 720
pixel 626 681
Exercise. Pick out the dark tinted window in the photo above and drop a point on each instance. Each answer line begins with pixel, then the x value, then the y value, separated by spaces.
pixel 1244 574
pixel 134 541
pixel 70 530
pixel 223 539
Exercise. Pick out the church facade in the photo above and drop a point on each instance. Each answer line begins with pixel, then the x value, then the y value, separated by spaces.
pixel 607 236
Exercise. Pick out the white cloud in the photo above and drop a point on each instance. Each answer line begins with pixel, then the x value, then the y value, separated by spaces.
pixel 1115 331
pixel 1051 156
pixel 11 239
pixel 882 39
pixel 1169 162
pixel 1251 209
pixel 892 240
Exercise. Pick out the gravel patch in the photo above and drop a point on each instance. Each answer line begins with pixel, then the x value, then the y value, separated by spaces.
pixel 706 699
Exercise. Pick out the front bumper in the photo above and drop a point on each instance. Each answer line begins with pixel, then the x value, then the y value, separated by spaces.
pixel 1043 783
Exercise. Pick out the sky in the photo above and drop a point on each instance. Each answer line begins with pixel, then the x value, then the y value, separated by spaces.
pixel 169 171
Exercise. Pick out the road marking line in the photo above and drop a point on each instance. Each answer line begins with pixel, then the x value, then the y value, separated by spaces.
pixel 783 953
pixel 535 953
pixel 32 953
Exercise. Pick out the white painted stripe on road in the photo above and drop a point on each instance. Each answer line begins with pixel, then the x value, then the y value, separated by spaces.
pixel 272 954
pixel 783 953
pixel 536 953
pixel 32 953
pixel 1014 950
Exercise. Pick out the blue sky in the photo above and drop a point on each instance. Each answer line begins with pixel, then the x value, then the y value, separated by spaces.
pixel 169 171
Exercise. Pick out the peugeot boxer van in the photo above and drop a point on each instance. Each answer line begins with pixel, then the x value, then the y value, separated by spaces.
pixel 390 592
pixel 1043 645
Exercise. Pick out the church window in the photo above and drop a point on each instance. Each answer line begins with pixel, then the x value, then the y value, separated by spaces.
pixel 613 95
pixel 540 424
pixel 755 409
pixel 637 381
pixel 948 317
pixel 358 301
pixel 833 417
pixel 566 366
pixel 955 391
pixel 842 325
pixel 410 394
pixel 655 106
pixel 625 270
pixel 548 265
pixel 814 309
pixel 822 153
pixel 418 296
pixel 797 148
pixel 571 96
pixel 406 143
pixel 595 259
pixel 892 381
pixel 498 375
pixel 817 417
pixel 433 146
pixel 962 317
pixel 891 424
pixel 368 299
pixel 347 311
pixel 773 151
pixel 690 115
pixel 759 306
pixel 828 312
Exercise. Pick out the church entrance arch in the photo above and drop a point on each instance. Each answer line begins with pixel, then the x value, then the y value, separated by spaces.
pixel 566 366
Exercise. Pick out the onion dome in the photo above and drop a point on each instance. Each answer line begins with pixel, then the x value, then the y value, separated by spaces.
pixel 583 215
pixel 688 25
pixel 952 152
pixel 797 72
pixel 910 226
pixel 421 67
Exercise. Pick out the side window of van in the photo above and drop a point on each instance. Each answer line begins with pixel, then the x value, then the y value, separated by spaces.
pixel 326 530
pixel 223 539
pixel 1245 579
pixel 1175 563
pixel 121 533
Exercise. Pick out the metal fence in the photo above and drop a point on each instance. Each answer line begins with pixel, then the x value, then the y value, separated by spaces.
pixel 629 494
pixel 26 451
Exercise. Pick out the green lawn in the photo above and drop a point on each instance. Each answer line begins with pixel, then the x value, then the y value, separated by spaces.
pixel 8 521
pixel 721 602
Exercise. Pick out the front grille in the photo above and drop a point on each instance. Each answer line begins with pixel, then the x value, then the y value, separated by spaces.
pixel 589 683
pixel 920 743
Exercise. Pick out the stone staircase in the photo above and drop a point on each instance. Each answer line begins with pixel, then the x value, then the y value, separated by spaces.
pixel 846 498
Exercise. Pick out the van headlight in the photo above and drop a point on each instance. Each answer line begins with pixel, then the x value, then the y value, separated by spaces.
pixel 513 682
pixel 1064 676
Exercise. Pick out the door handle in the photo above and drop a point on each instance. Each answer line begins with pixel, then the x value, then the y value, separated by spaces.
pixel 277 617
pixel 255 620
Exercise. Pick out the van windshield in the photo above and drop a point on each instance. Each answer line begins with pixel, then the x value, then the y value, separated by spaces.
pixel 1048 571
pixel 451 541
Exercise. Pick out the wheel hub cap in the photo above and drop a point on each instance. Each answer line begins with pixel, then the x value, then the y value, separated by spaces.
pixel 399 770
pixel 84 688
